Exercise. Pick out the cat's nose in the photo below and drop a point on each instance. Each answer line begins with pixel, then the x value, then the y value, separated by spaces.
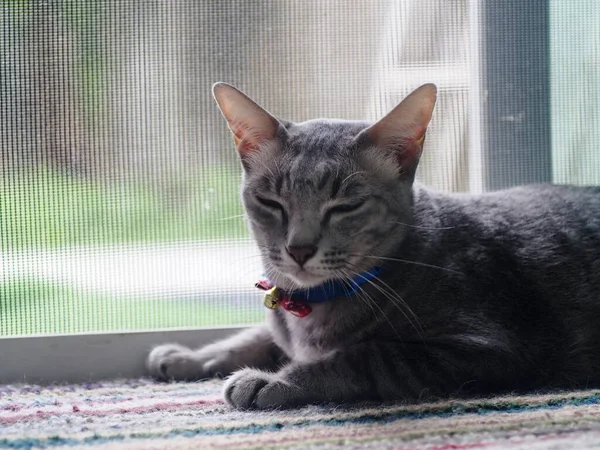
pixel 301 253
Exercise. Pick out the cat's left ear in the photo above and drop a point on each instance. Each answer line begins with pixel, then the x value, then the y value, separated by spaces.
pixel 403 129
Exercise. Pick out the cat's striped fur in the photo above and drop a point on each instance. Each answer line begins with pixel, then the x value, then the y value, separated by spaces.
pixel 478 294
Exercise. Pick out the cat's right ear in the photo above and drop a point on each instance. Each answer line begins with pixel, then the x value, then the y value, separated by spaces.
pixel 250 124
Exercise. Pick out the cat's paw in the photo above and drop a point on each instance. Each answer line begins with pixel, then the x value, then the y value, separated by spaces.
pixel 255 389
pixel 176 362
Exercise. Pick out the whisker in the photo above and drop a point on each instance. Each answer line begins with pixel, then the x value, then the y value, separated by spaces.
pixel 231 217
pixel 266 167
pixel 343 277
pixel 416 263
pixel 390 296
pixel 385 316
pixel 245 257
pixel 366 299
pixel 275 275
pixel 396 296
pixel 357 233
pixel 244 274
pixel 350 176
pixel 277 167
pixel 420 227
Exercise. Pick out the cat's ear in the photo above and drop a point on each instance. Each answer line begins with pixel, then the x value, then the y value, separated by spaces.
pixel 403 129
pixel 250 124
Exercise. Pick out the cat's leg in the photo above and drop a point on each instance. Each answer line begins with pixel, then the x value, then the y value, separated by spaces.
pixel 344 377
pixel 369 371
pixel 377 371
pixel 253 347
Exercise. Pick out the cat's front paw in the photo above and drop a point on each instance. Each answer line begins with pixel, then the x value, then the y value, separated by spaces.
pixel 255 389
pixel 173 362
pixel 176 362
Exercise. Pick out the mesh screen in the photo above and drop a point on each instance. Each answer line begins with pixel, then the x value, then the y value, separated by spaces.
pixel 119 192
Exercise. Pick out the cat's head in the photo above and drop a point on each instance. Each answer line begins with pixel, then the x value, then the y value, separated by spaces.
pixel 324 197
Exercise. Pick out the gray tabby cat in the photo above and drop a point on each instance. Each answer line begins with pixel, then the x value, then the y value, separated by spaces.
pixel 433 294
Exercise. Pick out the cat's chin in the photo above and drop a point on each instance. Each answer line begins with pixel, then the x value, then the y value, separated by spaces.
pixel 306 279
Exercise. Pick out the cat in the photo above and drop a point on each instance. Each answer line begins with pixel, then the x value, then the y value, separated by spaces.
pixel 387 290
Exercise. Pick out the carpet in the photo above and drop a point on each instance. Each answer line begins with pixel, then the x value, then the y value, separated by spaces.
pixel 141 414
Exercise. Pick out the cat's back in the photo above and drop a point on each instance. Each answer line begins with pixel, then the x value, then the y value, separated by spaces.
pixel 535 199
pixel 534 211
pixel 545 236
pixel 525 271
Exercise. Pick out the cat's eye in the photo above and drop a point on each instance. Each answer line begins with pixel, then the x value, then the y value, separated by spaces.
pixel 345 208
pixel 271 204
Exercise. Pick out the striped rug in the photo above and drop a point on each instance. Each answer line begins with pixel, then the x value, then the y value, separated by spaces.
pixel 140 414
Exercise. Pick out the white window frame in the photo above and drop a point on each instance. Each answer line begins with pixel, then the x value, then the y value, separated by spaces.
pixel 72 358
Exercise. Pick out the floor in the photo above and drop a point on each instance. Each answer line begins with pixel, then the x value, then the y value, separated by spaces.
pixel 141 414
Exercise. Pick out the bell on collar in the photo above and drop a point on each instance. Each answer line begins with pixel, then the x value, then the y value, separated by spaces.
pixel 272 298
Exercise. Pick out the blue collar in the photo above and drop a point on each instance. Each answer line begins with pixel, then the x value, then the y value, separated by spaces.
pixel 333 289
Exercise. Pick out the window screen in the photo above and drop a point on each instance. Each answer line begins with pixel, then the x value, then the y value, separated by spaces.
pixel 575 94
pixel 119 191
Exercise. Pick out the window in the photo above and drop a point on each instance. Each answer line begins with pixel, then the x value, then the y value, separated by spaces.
pixel 119 207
